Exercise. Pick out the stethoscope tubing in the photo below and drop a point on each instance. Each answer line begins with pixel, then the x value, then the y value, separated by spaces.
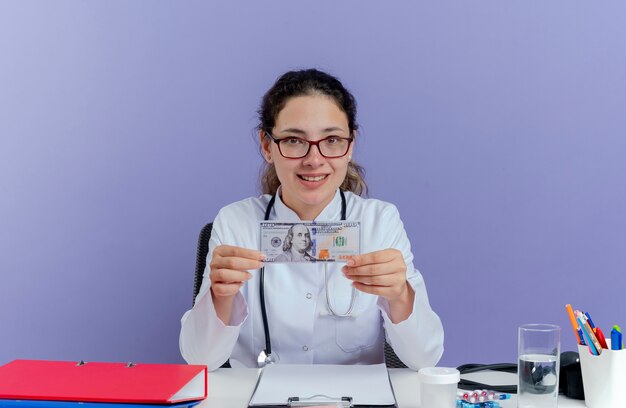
pixel 266 326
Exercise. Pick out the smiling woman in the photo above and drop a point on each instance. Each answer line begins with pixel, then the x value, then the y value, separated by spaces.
pixel 307 131
pixel 308 176
pixel 304 89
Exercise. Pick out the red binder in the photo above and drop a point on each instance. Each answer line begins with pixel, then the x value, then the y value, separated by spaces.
pixel 102 382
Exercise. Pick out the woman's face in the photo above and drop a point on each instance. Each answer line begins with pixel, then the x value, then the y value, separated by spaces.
pixel 308 184
pixel 301 238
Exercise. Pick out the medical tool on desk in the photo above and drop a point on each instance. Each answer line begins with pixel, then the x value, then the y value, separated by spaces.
pixel 486 404
pixel 466 384
pixel 478 396
pixel 265 356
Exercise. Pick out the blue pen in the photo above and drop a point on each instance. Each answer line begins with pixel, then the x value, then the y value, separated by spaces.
pixel 582 339
pixel 592 346
pixel 616 338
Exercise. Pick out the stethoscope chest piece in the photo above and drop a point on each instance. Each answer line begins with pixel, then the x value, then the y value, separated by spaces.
pixel 265 359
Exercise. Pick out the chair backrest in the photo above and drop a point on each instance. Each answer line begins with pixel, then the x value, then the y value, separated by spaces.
pixel 391 359
pixel 201 254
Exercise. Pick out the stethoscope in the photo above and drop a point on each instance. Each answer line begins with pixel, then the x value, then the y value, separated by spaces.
pixel 266 356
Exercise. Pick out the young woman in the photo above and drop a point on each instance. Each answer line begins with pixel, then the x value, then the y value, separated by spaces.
pixel 307 132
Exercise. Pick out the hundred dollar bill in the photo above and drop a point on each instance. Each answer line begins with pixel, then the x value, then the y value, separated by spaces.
pixel 310 241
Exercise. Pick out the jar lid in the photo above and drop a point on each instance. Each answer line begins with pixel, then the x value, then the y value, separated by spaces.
pixel 439 375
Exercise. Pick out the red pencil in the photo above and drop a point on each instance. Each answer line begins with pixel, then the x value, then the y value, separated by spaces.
pixel 601 338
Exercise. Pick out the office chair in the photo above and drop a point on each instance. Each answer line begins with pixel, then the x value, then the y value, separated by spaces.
pixel 201 254
pixel 391 359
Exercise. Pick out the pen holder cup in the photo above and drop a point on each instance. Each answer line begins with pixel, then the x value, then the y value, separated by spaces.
pixel 604 377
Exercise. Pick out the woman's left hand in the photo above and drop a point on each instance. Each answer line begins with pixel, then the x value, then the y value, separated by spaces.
pixel 383 273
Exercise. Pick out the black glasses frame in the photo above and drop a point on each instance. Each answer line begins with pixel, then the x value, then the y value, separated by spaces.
pixel 277 141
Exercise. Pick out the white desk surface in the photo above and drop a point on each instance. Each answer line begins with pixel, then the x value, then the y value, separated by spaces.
pixel 232 388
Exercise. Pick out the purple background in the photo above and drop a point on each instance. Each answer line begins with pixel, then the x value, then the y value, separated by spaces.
pixel 498 129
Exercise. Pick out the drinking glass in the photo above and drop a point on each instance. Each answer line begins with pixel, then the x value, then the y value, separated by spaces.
pixel 539 348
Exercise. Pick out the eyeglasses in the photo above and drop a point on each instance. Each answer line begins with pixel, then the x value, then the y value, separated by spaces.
pixel 330 147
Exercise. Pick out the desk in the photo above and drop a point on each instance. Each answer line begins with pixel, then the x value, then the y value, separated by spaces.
pixel 233 387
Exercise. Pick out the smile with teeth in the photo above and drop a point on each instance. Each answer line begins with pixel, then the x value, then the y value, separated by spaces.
pixel 313 178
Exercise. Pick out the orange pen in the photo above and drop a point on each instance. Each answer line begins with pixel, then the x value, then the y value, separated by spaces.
pixel 572 320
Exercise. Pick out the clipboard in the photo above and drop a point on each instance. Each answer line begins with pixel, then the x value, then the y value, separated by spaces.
pixel 319 401
pixel 337 386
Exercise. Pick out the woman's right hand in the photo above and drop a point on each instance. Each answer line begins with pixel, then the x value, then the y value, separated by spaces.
pixel 229 265
pixel 229 269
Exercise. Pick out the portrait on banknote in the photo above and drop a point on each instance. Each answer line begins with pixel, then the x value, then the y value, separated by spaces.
pixel 296 245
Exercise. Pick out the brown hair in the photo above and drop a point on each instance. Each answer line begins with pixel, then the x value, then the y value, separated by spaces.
pixel 300 83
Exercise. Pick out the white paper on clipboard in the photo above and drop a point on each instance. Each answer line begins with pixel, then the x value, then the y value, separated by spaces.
pixel 365 384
